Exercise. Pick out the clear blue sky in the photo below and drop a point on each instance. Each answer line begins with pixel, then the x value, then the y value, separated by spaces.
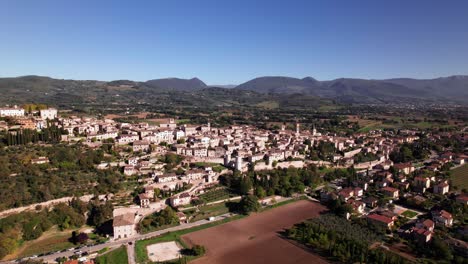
pixel 229 42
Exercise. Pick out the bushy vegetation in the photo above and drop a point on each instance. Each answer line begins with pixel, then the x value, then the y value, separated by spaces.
pixel 70 172
pixel 166 217
pixel 337 238
pixel 282 182
pixel 28 226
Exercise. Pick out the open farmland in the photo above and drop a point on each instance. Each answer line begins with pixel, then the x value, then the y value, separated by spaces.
pixel 255 239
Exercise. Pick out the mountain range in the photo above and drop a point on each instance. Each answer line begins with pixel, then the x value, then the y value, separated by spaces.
pixel 445 89
pixel 453 89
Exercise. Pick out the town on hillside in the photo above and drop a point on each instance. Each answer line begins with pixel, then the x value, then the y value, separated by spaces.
pixel 119 183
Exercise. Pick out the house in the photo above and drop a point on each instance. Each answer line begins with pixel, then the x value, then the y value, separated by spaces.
pixel 140 145
pixel 168 177
pixel 346 193
pixel 462 198
pixel 390 192
pixel 442 217
pixel 441 188
pixel 358 206
pixel 181 199
pixel 380 220
pixel 194 174
pixel 358 192
pixel 405 168
pixel 124 225
pixel 40 160
pixel 50 113
pixel 13 112
pixel 370 202
pixel 149 190
pixel 421 235
pixel 182 217
pixel 427 224
pixel 144 200
pixel 422 182
pixel 129 170
pixel 127 139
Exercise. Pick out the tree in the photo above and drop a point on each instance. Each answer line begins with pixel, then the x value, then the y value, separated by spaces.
pixel 260 192
pixel 245 185
pixel 198 250
pixel 100 213
pixel 248 204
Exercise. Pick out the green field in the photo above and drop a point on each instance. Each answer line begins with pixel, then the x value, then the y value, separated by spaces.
pixel 48 243
pixel 409 214
pixel 116 256
pixel 208 211
pixel 459 177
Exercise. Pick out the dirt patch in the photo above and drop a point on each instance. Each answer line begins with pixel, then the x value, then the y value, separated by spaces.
pixel 255 239
pixel 163 251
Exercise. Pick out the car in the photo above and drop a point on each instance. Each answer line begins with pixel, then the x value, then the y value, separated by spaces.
pixel 130 243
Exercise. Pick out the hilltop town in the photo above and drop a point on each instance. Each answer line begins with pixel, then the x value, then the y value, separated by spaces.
pixel 171 175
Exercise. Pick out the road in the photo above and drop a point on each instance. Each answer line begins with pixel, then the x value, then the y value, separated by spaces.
pixel 117 243
pixel 131 253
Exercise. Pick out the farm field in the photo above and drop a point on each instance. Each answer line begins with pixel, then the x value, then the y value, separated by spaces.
pixel 208 211
pixel 255 239
pixel 216 195
pixel 460 177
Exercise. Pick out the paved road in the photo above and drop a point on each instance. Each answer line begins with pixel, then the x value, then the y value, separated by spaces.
pixel 117 243
pixel 131 253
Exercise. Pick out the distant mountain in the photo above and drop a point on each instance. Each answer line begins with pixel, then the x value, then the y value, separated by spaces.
pixel 451 87
pixel 454 88
pixel 177 84
pixel 268 91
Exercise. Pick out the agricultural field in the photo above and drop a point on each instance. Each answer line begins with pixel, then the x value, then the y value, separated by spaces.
pixel 116 256
pixel 207 211
pixel 459 177
pixel 394 122
pixel 255 239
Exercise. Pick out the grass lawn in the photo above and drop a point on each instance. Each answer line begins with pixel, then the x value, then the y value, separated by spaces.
pixel 117 256
pixel 409 214
pixel 460 177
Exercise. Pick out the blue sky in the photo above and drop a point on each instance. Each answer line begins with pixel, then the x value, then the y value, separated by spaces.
pixel 230 42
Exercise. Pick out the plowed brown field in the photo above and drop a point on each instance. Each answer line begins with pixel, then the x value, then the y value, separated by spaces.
pixel 255 239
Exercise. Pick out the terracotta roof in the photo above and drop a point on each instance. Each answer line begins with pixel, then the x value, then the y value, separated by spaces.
pixel 389 189
pixel 380 218
pixel 124 219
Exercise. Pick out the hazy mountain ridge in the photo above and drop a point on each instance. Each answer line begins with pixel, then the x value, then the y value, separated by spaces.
pixel 280 89
pixel 453 88
pixel 177 84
